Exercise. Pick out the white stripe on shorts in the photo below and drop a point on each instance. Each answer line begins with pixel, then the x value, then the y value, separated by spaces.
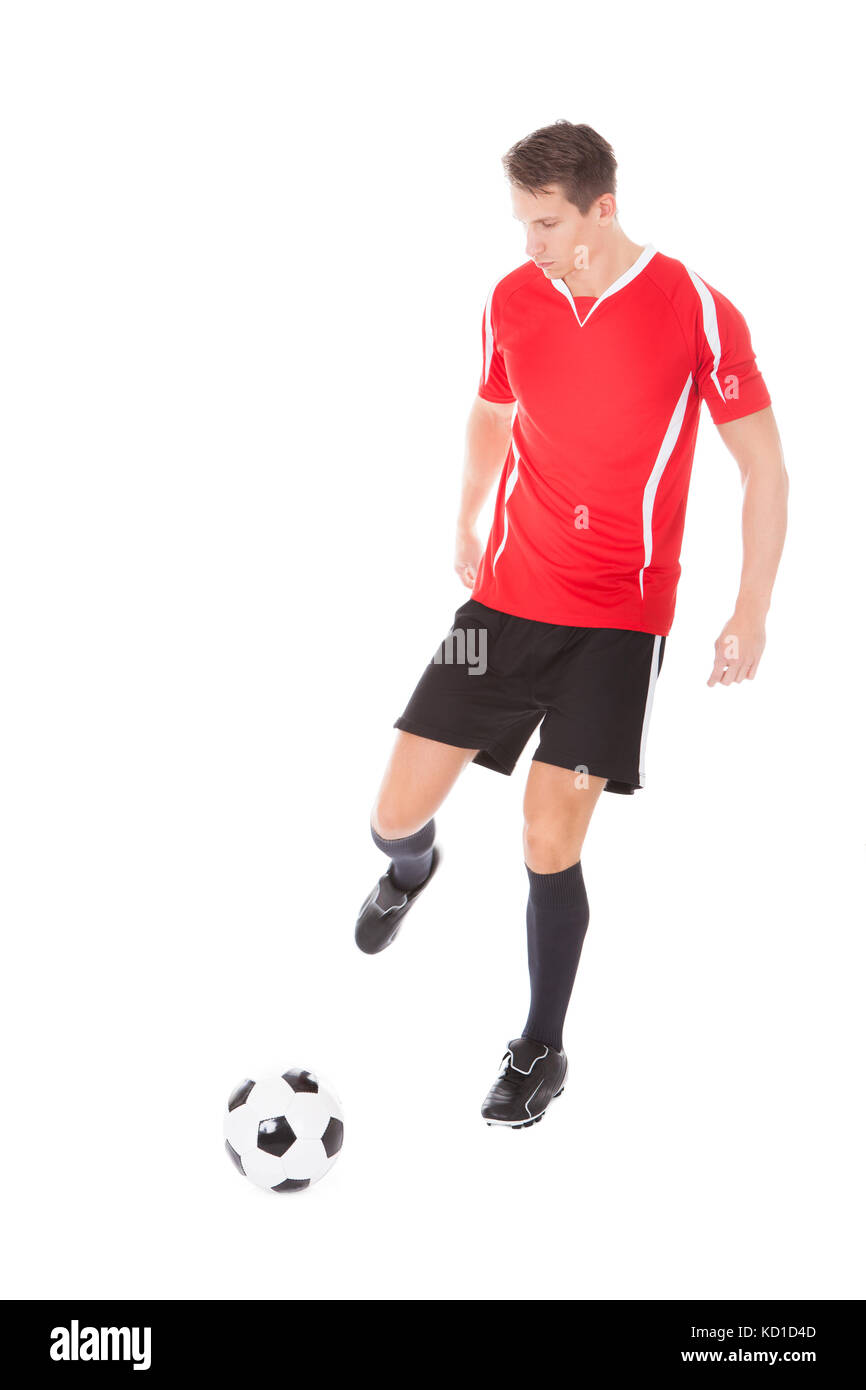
pixel 654 672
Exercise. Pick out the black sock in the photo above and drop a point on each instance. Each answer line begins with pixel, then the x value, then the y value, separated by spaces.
pixel 557 916
pixel 411 856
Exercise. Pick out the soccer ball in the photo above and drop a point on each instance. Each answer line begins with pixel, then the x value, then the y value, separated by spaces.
pixel 283 1132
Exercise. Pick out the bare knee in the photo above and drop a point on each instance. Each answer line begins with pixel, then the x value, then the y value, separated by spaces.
pixel 393 821
pixel 550 846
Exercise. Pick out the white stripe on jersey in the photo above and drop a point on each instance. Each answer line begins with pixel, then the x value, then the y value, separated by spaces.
pixel 488 334
pixel 509 488
pixel 672 434
pixel 710 324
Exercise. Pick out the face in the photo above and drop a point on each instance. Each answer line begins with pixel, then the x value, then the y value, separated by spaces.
pixel 555 229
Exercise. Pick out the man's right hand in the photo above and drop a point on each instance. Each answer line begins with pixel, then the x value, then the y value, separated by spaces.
pixel 467 556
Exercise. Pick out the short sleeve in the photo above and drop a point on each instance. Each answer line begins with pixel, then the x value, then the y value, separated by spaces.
pixel 494 384
pixel 727 373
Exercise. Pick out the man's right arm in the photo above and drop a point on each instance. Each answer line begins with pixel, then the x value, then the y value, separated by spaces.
pixel 488 435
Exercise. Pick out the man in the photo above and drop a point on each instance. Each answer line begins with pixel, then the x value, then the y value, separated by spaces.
pixel 607 349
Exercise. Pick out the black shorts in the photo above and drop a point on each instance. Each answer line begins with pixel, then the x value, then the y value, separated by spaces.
pixel 494 676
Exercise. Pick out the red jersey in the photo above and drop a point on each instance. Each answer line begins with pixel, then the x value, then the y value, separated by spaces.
pixel 591 504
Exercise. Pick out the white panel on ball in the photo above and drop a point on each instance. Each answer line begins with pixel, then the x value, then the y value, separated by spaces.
pixel 306 1159
pixel 271 1097
pixel 262 1168
pixel 308 1114
pixel 241 1128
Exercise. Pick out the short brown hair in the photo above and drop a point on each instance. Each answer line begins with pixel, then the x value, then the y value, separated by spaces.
pixel 573 156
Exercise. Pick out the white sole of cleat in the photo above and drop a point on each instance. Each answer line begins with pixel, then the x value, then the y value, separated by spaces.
pixel 524 1124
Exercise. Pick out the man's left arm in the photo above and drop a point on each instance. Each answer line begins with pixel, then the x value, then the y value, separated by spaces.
pixel 755 444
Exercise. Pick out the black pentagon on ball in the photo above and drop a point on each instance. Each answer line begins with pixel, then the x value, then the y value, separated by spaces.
pixel 332 1139
pixel 235 1157
pixel 240 1093
pixel 276 1136
pixel 300 1080
pixel 291 1185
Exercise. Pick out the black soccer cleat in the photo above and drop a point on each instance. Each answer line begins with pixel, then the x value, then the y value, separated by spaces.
pixel 383 911
pixel 531 1076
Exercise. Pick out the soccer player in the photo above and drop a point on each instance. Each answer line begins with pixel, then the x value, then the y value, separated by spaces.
pixel 597 354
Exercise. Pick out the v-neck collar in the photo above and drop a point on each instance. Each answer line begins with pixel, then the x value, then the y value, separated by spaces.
pixel 643 259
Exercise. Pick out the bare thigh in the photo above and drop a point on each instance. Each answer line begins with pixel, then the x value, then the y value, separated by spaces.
pixel 419 775
pixel 557 809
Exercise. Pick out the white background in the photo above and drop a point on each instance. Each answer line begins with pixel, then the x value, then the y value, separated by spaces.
pixel 245 255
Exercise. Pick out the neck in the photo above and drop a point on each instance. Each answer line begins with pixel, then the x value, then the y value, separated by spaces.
pixel 606 264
